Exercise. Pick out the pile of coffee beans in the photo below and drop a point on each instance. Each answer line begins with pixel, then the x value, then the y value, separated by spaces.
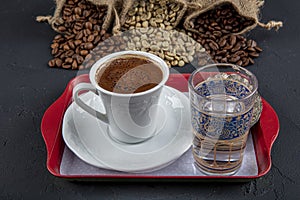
pixel 81 28
pixel 215 33
pixel 176 48
pixel 234 49
pixel 154 13
pixel 151 25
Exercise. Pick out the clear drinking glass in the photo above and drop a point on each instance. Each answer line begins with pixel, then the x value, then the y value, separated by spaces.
pixel 222 98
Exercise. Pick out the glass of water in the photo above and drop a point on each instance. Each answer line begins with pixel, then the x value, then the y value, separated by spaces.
pixel 222 98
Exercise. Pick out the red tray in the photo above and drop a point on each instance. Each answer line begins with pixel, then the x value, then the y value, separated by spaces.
pixel 264 134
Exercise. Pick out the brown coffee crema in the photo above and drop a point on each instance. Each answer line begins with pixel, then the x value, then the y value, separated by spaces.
pixel 129 74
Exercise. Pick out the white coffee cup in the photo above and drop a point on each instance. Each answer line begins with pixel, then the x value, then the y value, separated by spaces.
pixel 130 117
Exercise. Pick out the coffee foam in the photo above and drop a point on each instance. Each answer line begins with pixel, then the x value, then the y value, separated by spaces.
pixel 129 74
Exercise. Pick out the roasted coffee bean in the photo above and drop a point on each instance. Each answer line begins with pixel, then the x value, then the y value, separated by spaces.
pixel 69 53
pixel 102 32
pixel 245 62
pixel 54 51
pixel 254 54
pixel 87 32
pixel 213 45
pixel 84 52
pixel 77 42
pixel 57 37
pixel 239 63
pixel 66 47
pixel 62 56
pixel 58 54
pixel 228 47
pixel 222 42
pixel 78 26
pixel 61 28
pixel 224 60
pixel 251 60
pixel 71 44
pixel 222 52
pixel 232 40
pixel 217 33
pixel 67 11
pixel 86 13
pixel 235 59
pixel 89 56
pixel 225 32
pixel 236 47
pixel 79 35
pixel 51 63
pixel 69 60
pixel 241 53
pixel 74 65
pixel 89 46
pixel 228 27
pixel 251 49
pixel 251 43
pixel 58 62
pixel 97 40
pixel 79 59
pixel 258 49
pixel 89 25
pixel 66 66
pixel 54 45
pixel 78 11
pixel 90 38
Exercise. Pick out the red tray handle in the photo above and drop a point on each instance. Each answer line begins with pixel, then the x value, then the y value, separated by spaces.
pixel 264 142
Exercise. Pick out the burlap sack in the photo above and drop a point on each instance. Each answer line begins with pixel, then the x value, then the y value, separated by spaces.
pixel 56 18
pixel 194 4
pixel 249 9
pixel 127 5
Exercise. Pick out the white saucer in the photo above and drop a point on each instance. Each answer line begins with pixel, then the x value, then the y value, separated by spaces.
pixel 87 137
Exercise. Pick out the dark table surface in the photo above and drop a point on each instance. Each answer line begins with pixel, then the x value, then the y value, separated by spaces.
pixel 29 86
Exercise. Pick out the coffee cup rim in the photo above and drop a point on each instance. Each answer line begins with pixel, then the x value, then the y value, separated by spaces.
pixel 163 66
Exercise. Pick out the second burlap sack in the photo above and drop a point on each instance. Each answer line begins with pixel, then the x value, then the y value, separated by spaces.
pixel 165 14
pixel 249 9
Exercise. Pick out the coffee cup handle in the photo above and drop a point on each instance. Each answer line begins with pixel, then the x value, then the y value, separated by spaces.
pixel 87 87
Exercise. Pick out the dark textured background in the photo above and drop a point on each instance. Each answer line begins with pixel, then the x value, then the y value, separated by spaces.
pixel 28 87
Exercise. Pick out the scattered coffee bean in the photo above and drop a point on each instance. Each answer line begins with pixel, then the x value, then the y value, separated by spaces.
pixel 58 62
pixel 66 66
pixel 74 64
pixel 51 63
